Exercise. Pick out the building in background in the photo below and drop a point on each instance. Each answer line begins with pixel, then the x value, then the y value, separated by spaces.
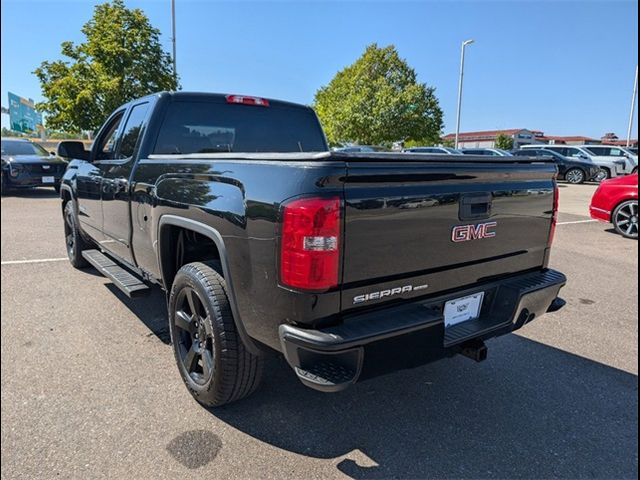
pixel 568 140
pixel 487 138
pixel 613 139
pixel 523 136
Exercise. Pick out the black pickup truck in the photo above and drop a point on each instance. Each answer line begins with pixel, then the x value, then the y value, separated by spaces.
pixel 350 265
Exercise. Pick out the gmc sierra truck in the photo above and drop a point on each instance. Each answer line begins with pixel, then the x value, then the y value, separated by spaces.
pixel 348 264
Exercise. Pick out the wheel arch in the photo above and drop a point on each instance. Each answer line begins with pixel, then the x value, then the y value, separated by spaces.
pixel 66 196
pixel 164 258
pixel 66 193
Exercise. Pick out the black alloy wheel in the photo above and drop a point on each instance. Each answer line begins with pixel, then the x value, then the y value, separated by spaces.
pixel 194 336
pixel 213 361
pixel 74 242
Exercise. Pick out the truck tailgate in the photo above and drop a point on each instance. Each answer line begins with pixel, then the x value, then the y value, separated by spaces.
pixel 415 228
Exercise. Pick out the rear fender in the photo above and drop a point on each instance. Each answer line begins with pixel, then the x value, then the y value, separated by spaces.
pixel 217 239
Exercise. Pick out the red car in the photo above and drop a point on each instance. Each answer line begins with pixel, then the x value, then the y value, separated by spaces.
pixel 616 201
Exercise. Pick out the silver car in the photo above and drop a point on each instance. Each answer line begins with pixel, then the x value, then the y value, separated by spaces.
pixel 616 153
pixel 610 166
pixel 440 150
pixel 490 152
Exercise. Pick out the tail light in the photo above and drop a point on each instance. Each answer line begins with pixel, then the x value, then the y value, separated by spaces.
pixel 244 100
pixel 554 218
pixel 310 246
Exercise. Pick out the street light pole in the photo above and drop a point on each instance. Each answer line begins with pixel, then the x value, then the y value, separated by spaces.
pixel 173 36
pixel 464 44
pixel 633 107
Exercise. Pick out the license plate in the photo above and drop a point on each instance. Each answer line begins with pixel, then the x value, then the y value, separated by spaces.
pixel 462 309
pixel 48 179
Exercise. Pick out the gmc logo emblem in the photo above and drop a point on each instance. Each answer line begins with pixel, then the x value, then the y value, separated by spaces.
pixel 465 233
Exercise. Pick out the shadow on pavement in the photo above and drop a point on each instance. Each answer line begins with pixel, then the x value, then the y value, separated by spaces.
pixel 151 310
pixel 530 411
pixel 31 193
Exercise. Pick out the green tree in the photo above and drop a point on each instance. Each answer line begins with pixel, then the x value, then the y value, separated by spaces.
pixel 418 143
pixel 378 100
pixel 63 135
pixel 10 133
pixel 504 142
pixel 121 59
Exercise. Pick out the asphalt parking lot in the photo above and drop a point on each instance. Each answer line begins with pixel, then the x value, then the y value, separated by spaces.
pixel 90 389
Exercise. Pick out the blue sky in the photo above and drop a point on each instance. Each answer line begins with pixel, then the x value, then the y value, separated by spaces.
pixel 560 67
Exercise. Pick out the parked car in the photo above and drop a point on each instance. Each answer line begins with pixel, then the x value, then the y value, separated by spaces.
pixel 361 149
pixel 26 165
pixel 571 170
pixel 434 150
pixel 616 202
pixel 264 240
pixel 611 167
pixel 618 153
pixel 491 152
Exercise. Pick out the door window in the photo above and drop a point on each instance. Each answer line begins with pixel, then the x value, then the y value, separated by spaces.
pixel 132 130
pixel 599 150
pixel 560 150
pixel 107 142
pixel 575 153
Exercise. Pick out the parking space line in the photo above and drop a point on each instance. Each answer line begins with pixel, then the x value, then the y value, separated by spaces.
pixel 38 260
pixel 577 221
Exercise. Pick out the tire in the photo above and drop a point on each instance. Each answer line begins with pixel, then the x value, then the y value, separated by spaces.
pixel 601 176
pixel 607 173
pixel 575 176
pixel 219 370
pixel 73 239
pixel 56 187
pixel 625 219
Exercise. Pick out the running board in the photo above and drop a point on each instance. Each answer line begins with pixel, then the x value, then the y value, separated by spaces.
pixel 131 286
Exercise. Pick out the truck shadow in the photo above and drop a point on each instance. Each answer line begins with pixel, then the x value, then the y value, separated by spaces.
pixel 151 311
pixel 530 411
pixel 44 192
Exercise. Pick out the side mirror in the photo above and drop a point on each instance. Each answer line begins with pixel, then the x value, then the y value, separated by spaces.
pixel 72 149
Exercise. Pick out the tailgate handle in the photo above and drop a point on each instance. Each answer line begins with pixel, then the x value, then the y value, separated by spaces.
pixel 475 206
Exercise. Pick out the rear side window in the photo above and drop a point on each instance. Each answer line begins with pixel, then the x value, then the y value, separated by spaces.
pixel 560 150
pixel 606 151
pixel 208 127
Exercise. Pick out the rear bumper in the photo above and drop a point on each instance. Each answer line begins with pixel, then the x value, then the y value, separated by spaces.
pixel 331 359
